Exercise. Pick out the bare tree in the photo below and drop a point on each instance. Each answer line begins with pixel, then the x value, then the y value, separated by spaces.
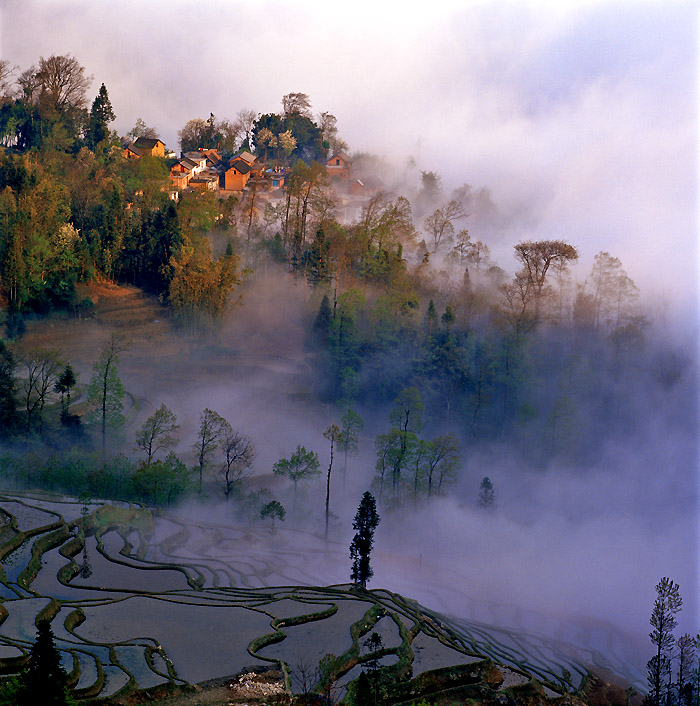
pixel 442 460
pixel 62 82
pixel 239 454
pixel 6 72
pixel 42 368
pixel 332 434
pixel 296 104
pixel 105 389
pixel 440 224
pixel 158 432
pixel 212 429
pixel 245 120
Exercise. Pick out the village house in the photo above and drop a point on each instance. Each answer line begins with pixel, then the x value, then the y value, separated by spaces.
pixel 179 180
pixel 153 147
pixel 338 167
pixel 236 176
pixel 198 158
pixel 129 152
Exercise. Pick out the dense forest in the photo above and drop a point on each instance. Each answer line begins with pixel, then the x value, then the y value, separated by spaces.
pixel 409 318
pixel 410 310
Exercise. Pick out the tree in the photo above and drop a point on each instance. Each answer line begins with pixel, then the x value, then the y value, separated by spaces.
pixel 44 681
pixel 364 524
pixel 164 480
pixel 193 135
pixel 351 424
pixel 64 384
pixel 375 645
pixel 212 430
pixel 611 290
pixel 8 393
pixel 40 374
pixel 332 434
pixel 487 495
pixel 201 286
pixel 668 603
pixel 6 71
pixel 274 510
pixel 441 461
pixel 686 656
pixel 321 328
pixel 440 224
pixel 159 431
pixel 301 465
pixel 239 454
pixel 329 133
pixel 406 418
pixel 101 114
pixel 245 119
pixel 140 129
pixel 537 258
pixel 62 82
pixel 296 104
pixel 462 246
pixel 105 391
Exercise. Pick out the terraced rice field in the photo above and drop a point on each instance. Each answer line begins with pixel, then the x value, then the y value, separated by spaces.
pixel 166 599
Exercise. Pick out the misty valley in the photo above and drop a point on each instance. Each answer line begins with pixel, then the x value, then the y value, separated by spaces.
pixel 285 423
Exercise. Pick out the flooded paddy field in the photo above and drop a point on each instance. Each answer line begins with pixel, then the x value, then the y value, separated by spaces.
pixel 140 599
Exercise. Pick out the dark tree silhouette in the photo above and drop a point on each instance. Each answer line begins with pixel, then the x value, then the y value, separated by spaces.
pixel 364 524
pixel 668 603
pixel 44 681
pixel 487 495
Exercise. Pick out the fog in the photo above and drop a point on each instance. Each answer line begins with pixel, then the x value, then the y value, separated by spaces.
pixel 581 118
pixel 573 551
pixel 582 122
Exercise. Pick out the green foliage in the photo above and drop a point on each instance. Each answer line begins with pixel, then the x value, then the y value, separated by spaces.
pixel 159 431
pixel 274 510
pixel 44 681
pixel 364 524
pixel 64 384
pixel 161 482
pixel 300 466
pixel 101 114
pixel 321 329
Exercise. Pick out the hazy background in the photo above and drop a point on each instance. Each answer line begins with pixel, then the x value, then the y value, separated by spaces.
pixel 581 120
pixel 580 117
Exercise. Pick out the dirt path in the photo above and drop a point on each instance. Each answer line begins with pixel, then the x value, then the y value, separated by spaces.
pixel 255 372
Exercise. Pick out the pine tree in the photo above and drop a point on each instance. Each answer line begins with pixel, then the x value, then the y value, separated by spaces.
pixel 101 114
pixel 322 323
pixel 668 603
pixel 44 680
pixel 365 522
pixel 487 495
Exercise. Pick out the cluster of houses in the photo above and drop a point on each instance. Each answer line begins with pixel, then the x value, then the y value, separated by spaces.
pixel 205 169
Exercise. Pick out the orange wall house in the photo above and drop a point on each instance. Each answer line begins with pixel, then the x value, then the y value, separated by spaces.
pixel 339 166
pixel 151 147
pixel 237 175
pixel 179 180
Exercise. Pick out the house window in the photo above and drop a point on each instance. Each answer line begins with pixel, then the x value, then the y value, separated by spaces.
pixel 337 162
